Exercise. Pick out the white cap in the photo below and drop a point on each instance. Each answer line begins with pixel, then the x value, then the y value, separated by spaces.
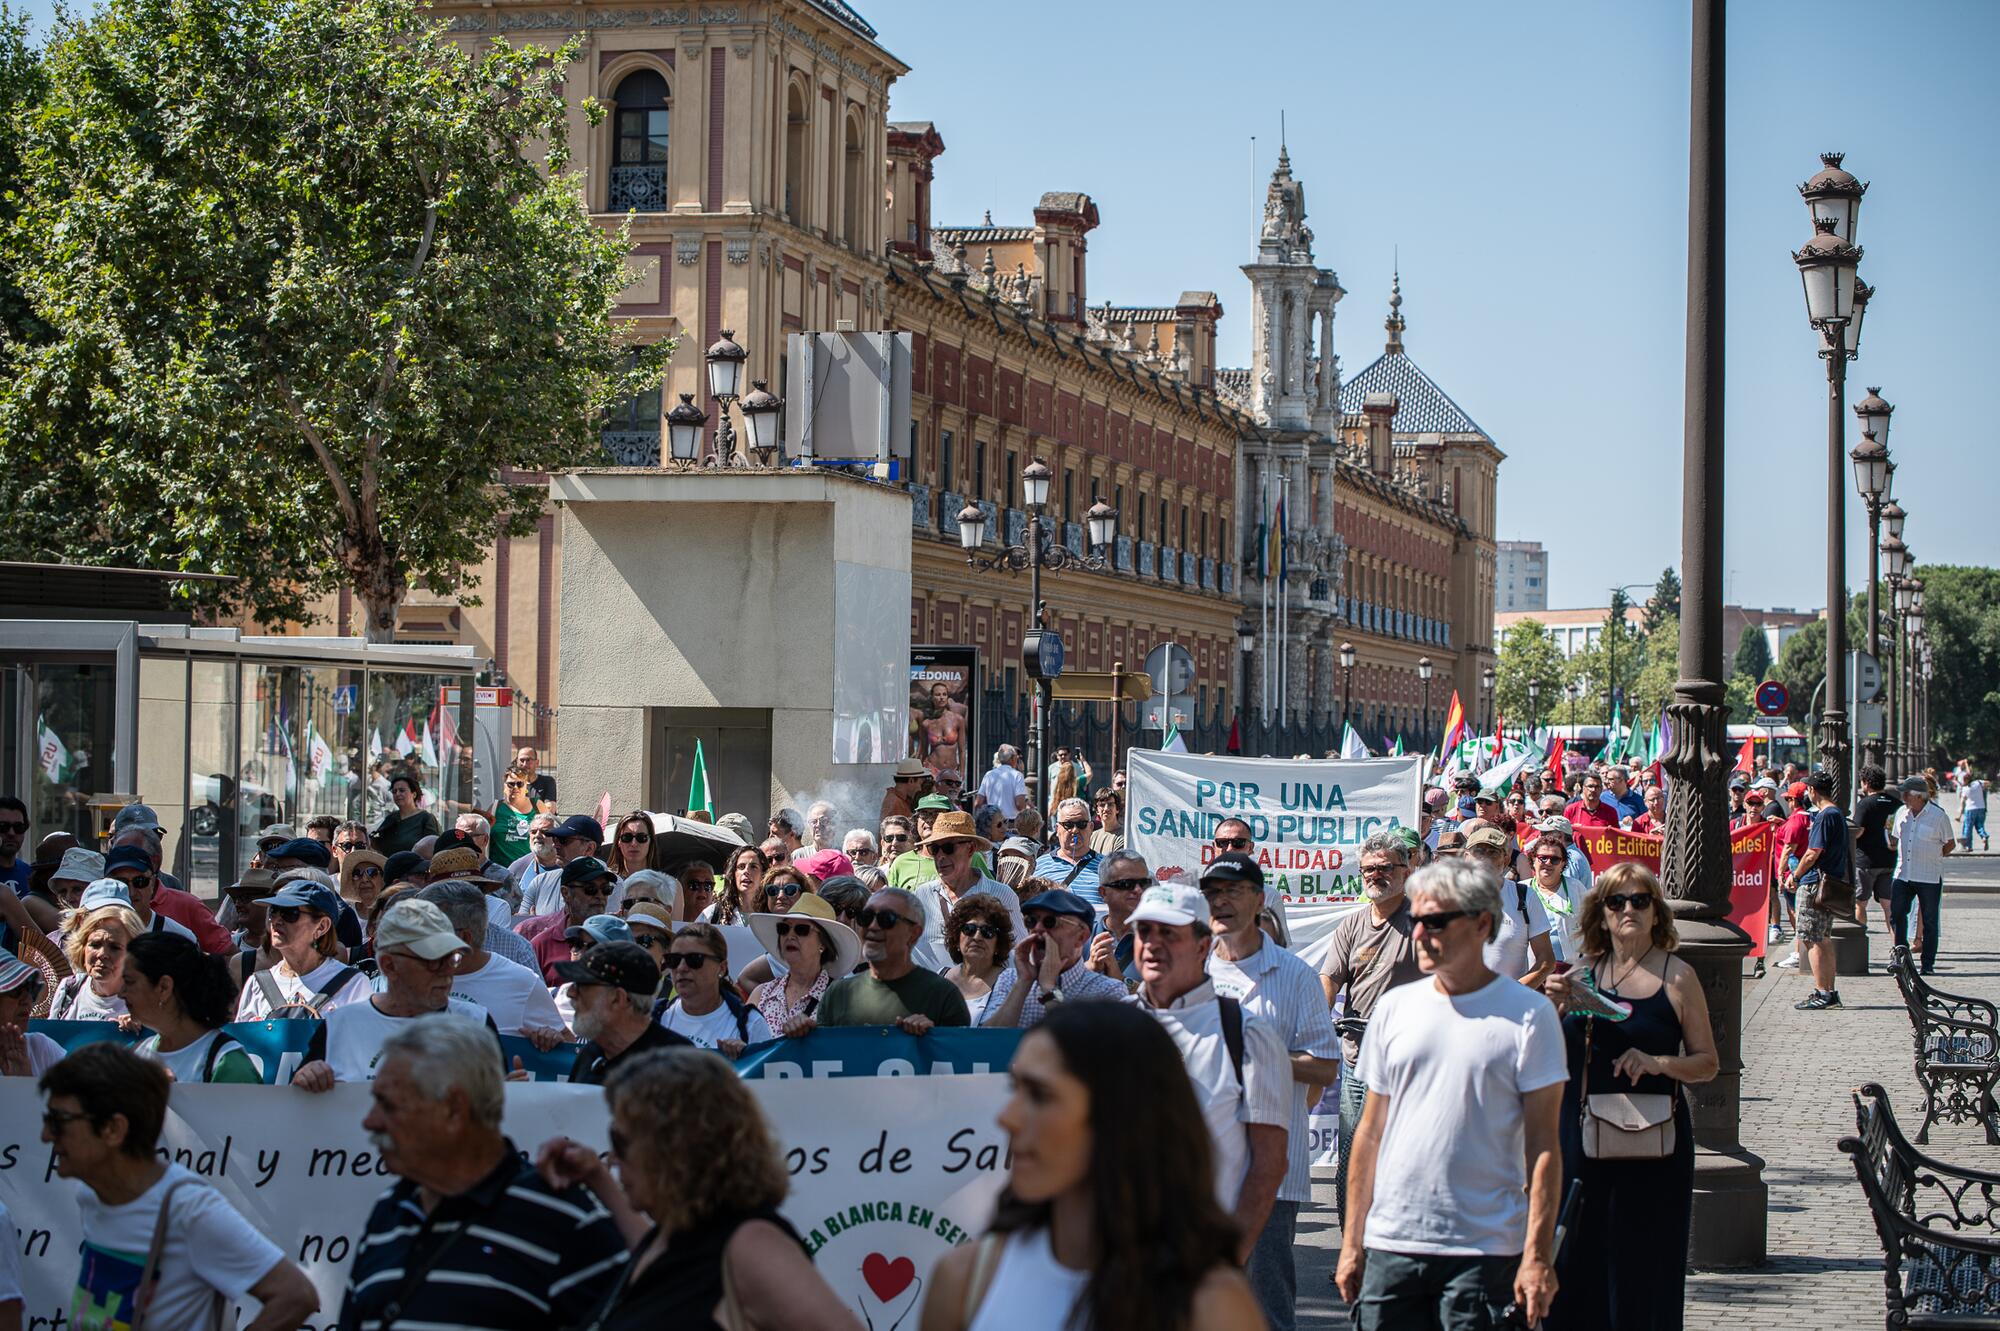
pixel 1172 903
pixel 106 892
pixel 79 866
pixel 419 927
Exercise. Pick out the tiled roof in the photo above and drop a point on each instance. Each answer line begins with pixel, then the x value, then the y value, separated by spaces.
pixel 1423 407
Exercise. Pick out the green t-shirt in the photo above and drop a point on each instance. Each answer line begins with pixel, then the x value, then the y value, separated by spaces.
pixel 909 869
pixel 863 1000
pixel 510 833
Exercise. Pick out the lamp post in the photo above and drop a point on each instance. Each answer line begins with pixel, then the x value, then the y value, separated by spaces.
pixel 1486 692
pixel 1613 628
pixel 1919 650
pixel 1895 564
pixel 1424 674
pixel 1246 647
pixel 1871 478
pixel 1534 703
pixel 1041 648
pixel 1346 681
pixel 1827 266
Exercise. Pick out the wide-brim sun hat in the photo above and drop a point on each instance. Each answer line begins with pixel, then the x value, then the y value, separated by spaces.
pixel 846 943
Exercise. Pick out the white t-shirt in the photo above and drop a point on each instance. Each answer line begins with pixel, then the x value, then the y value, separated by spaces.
pixel 354 1035
pixel 1507 952
pixel 10 1261
pixel 1975 794
pixel 254 1006
pixel 1002 786
pixel 233 1256
pixel 80 1002
pixel 189 1062
pixel 510 991
pixel 43 1054
pixel 708 1032
pixel 1451 1174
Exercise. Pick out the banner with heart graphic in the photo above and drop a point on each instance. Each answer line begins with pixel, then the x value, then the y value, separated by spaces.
pixel 888 1174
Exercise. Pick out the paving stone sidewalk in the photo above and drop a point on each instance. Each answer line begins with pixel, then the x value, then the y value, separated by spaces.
pixel 1825 1267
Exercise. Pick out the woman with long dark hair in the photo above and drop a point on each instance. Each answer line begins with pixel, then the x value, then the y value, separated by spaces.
pixel 185 997
pixel 1109 1217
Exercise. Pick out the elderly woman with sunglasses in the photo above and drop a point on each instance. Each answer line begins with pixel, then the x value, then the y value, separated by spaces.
pixel 776 893
pixel 979 937
pixel 1623 1263
pixel 815 949
pixel 707 1011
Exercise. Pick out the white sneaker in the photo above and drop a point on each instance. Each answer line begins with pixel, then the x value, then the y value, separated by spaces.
pixel 1790 963
pixel 1773 934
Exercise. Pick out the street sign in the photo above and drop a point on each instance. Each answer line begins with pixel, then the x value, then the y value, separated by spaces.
pixel 1864 677
pixel 1042 653
pixel 1868 722
pixel 346 697
pixel 1773 697
pixel 1104 686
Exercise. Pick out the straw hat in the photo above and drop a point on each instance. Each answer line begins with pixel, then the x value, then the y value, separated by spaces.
pixel 846 943
pixel 956 826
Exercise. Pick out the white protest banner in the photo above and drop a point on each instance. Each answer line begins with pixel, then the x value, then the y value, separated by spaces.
pixel 888 1174
pixel 1308 820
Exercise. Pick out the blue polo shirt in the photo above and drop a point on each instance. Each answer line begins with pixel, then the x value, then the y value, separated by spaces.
pixel 1057 869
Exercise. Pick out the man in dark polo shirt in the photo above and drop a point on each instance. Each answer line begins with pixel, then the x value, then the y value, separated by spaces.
pixel 543 1257
pixel 615 983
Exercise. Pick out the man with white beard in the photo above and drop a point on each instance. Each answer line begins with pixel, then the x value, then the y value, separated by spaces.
pixel 1371 952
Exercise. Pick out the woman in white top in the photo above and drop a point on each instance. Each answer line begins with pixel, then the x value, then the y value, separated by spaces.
pixel 1109 1218
pixel 185 997
pixel 706 1008
pixel 302 913
pixel 94 941
pixel 23 1053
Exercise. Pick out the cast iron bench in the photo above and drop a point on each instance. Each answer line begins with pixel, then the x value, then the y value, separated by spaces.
pixel 1958 1051
pixel 1937 1222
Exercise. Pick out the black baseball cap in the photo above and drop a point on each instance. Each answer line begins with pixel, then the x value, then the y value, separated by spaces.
pixel 583 869
pixel 313 854
pixel 401 864
pixel 624 966
pixel 576 826
pixel 1061 901
pixel 1233 866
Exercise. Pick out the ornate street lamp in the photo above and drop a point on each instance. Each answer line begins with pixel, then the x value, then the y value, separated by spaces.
pixel 1486 688
pixel 1424 674
pixel 760 418
pixel 1871 479
pixel 1346 681
pixel 725 377
pixel 1534 703
pixel 1827 265
pixel 1038 550
pixel 684 426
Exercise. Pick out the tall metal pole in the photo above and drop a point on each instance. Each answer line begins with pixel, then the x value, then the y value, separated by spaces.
pixel 1039 764
pixel 1730 1198
pixel 1893 677
pixel 1833 745
pixel 1872 746
pixel 1426 728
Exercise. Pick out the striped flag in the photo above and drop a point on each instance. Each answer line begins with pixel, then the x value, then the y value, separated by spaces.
pixel 1454 725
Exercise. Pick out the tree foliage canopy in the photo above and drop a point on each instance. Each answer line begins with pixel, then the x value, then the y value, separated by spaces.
pixel 309 293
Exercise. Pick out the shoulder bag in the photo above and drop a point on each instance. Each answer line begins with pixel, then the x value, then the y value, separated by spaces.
pixel 149 1278
pixel 1623 1125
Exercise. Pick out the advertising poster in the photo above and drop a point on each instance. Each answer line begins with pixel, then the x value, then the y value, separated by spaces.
pixel 942 680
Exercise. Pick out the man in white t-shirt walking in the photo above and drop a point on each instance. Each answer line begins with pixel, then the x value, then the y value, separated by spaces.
pixel 106 1106
pixel 1923 838
pixel 1452 1188
pixel 1003 786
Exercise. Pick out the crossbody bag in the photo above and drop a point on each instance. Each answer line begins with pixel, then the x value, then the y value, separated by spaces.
pixel 1622 1125
pixel 149 1278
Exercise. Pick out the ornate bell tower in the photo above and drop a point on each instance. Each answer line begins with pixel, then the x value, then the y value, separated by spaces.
pixel 1294 376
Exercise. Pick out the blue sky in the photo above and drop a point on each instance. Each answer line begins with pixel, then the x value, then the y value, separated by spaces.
pixel 1529 162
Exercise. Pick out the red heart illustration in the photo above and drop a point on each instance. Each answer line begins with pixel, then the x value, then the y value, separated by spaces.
pixel 887 1278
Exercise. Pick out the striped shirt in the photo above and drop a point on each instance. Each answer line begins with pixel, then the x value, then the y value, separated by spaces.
pixel 508 1253
pixel 1077 984
pixel 1284 992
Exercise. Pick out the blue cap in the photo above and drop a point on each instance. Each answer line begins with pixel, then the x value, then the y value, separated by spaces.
pixel 1061 901
pixel 600 929
pixel 321 900
pixel 578 825
pixel 1468 806
pixel 105 892
pixel 128 857
pixel 313 854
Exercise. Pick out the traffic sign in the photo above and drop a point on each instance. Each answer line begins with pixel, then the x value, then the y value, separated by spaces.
pixel 1773 697
pixel 345 698
pixel 1042 653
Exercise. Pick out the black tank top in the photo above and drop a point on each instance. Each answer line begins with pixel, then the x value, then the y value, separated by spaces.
pixel 1653 1028
pixel 682 1287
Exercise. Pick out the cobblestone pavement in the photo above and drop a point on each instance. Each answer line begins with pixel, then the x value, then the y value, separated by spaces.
pixel 1825 1267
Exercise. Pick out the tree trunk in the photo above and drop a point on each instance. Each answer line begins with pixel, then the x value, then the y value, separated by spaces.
pixel 378 584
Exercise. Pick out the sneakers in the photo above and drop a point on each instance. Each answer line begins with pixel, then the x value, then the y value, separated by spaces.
pixel 1819 1002
pixel 1773 934
pixel 1790 963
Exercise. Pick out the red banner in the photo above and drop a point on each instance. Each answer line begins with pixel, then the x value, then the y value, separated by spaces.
pixel 1750 864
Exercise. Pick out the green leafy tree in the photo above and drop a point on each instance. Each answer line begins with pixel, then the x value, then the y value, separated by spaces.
pixel 1962 620
pixel 1652 686
pixel 1800 668
pixel 1753 653
pixel 310 292
pixel 1665 602
pixel 1528 651
pixel 21 86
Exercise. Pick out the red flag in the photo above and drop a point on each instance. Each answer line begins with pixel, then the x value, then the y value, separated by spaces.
pixel 1235 744
pixel 1746 758
pixel 1499 727
pixel 1556 757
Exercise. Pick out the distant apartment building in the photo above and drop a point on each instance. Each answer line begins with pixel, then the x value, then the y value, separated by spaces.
pixel 1523 576
pixel 1579 630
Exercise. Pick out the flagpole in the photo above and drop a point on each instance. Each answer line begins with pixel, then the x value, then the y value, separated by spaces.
pixel 1284 610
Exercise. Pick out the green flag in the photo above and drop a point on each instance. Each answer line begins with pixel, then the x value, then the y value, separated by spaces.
pixel 699 798
pixel 1614 738
pixel 1397 751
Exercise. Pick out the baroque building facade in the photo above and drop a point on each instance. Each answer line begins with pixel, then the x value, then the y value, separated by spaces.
pixel 749 149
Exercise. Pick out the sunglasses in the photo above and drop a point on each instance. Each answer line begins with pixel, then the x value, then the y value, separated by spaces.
pixel 1634 900
pixel 287 914
pixel 55 1120
pixel 1125 884
pixel 515 785
pixel 350 845
pixel 784 890
pixel 1379 870
pixel 1044 920
pixel 693 961
pixel 953 847
pixel 1232 843
pixel 979 931
pixel 884 919
pixel 700 885
pixel 651 941
pixel 1074 826
pixel 1551 859
pixel 633 838
pixel 787 929
pixel 1438 919
pixel 367 871
pixel 596 887
pixel 13 829
pixel 895 838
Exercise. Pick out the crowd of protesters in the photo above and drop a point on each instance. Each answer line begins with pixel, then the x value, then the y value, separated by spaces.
pixel 1507 1022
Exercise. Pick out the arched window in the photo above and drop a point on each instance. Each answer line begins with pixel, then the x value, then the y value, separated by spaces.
pixel 795 156
pixel 639 144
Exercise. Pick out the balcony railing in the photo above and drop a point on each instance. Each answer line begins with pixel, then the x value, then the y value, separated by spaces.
pixel 1122 555
pixel 1190 568
pixel 948 505
pixel 1072 536
pixel 920 507
pixel 632 448
pixel 1170 565
pixel 638 189
pixel 1148 555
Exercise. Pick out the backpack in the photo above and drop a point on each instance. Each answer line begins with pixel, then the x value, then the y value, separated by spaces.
pixel 312 1007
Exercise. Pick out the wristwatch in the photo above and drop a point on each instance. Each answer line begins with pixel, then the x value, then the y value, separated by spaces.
pixel 1050 995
